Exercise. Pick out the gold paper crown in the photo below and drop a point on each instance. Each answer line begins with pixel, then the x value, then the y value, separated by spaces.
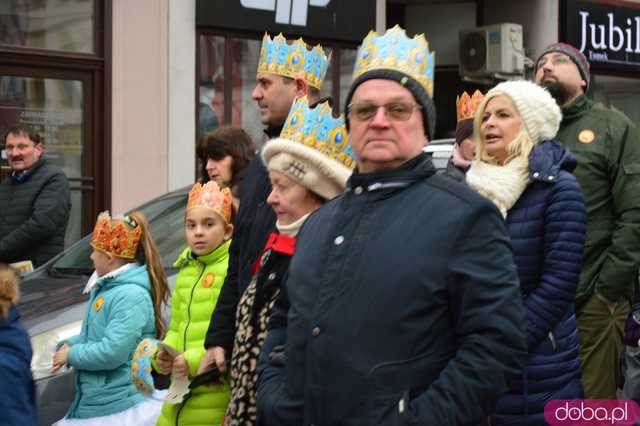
pixel 395 51
pixel 119 237
pixel 466 105
pixel 293 60
pixel 212 197
pixel 316 128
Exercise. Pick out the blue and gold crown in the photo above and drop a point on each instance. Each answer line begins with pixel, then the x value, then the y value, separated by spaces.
pixel 395 51
pixel 318 129
pixel 293 60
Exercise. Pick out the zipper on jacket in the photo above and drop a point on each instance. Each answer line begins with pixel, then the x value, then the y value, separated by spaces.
pixel 552 339
pixel 181 407
pixel 186 327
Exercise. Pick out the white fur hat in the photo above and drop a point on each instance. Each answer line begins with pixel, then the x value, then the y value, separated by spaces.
pixel 538 110
pixel 313 149
pixel 307 166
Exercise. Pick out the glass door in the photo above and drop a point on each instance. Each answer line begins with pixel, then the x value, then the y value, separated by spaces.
pixel 55 107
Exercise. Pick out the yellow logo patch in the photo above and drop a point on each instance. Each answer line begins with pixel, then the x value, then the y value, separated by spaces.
pixel 586 136
pixel 97 305
pixel 208 280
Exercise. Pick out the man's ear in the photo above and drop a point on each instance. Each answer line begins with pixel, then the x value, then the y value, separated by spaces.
pixel 302 87
pixel 583 84
pixel 39 149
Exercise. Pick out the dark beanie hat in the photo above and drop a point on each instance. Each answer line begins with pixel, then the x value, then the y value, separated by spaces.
pixel 416 89
pixel 464 130
pixel 576 56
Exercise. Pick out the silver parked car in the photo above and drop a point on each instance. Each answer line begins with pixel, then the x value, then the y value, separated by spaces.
pixel 440 150
pixel 52 305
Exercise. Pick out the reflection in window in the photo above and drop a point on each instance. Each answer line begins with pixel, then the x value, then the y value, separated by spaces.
pixel 617 92
pixel 347 61
pixel 245 110
pixel 211 84
pixel 66 25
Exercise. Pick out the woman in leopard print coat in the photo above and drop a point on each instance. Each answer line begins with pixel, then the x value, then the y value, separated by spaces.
pixel 302 179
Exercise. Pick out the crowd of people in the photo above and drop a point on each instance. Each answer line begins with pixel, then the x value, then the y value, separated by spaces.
pixel 335 277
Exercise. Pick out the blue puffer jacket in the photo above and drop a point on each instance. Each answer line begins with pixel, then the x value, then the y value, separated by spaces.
pixel 119 316
pixel 17 394
pixel 547 227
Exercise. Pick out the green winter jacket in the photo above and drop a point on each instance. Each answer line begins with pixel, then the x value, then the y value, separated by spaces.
pixel 607 146
pixel 195 296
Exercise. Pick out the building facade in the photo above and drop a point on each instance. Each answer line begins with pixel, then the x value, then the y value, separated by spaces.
pixel 123 90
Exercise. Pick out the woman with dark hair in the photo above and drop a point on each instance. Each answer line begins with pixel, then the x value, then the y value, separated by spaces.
pixel 224 155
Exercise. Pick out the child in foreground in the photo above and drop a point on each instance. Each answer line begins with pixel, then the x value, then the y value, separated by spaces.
pixel 128 288
pixel 203 267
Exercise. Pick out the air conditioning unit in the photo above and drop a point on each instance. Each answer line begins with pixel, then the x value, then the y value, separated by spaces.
pixel 492 51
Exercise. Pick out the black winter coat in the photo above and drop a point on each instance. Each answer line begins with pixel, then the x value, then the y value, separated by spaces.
pixel 405 308
pixel 34 215
pixel 254 222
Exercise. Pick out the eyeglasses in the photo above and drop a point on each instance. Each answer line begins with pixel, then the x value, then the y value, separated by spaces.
pixel 554 59
pixel 398 111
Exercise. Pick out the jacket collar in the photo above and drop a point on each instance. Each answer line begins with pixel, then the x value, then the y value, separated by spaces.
pixel 273 131
pixel 24 175
pixel 94 279
pixel 547 159
pixel 214 256
pixel 418 168
pixel 576 108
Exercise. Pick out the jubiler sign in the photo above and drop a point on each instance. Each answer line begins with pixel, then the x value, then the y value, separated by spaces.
pixel 607 33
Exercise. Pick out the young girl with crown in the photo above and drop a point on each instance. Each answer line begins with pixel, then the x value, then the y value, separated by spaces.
pixel 128 288
pixel 203 267
pixel 308 165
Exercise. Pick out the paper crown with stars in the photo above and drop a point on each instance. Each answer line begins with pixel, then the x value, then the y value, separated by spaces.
pixel 395 51
pixel 119 236
pixel 211 196
pixel 313 148
pixel 293 59
pixel 466 105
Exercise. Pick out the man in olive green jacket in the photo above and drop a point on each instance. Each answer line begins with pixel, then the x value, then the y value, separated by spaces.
pixel 607 146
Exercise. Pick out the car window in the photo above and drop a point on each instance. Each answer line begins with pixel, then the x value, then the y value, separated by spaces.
pixel 166 218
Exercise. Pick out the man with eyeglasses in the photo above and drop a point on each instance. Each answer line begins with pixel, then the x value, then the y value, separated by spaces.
pixel 402 303
pixel 607 147
pixel 35 201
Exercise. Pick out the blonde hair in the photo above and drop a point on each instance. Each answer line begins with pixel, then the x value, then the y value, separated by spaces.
pixel 9 290
pixel 148 253
pixel 520 146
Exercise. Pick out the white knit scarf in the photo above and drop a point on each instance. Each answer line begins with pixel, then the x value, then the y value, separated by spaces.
pixel 501 184
pixel 291 230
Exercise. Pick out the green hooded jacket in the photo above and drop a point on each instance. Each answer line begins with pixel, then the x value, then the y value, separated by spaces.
pixel 192 302
pixel 607 146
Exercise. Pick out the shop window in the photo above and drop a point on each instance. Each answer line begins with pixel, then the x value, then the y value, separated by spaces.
pixel 617 92
pixel 227 76
pixel 211 84
pixel 347 61
pixel 65 25
pixel 244 110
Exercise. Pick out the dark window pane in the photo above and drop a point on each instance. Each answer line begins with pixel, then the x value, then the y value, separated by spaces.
pixel 66 25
